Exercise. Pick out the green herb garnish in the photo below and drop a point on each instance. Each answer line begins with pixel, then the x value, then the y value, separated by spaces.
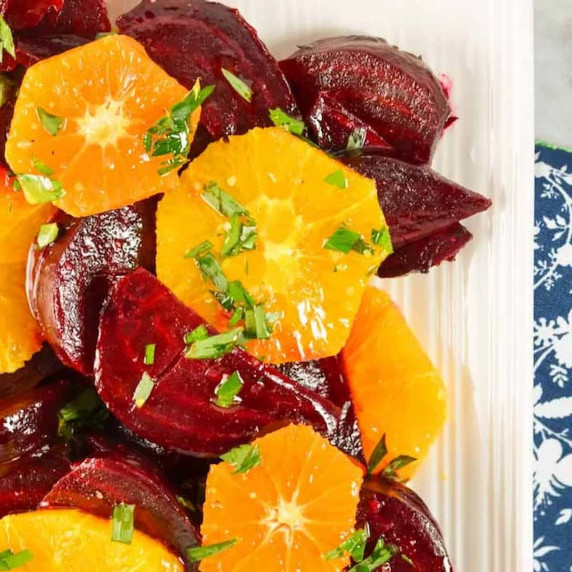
pixel 149 358
pixel 42 167
pixel 39 189
pixel 354 546
pixel 240 237
pixel 381 554
pixel 390 472
pixel 281 119
pixel 11 560
pixel 48 234
pixel 202 248
pixel 212 271
pixel 6 40
pixel 345 240
pixel 382 238
pixel 216 346
pixel 337 179
pixel 356 140
pixel 51 123
pixel 85 411
pixel 186 503
pixel 143 390
pixel 123 523
pixel 227 391
pixel 377 456
pixel 243 458
pixel 199 553
pixel 238 85
pixel 406 558
pixel 256 324
pixel 221 201
pixel 198 334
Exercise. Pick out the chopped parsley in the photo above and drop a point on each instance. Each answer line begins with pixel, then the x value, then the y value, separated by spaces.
pixel 256 323
pixel 243 458
pixel 143 390
pixel 378 455
pixel 345 240
pixel 390 471
pixel 354 546
pixel 186 503
pixel 84 411
pixel 123 523
pixel 51 123
pixel 357 138
pixel 221 201
pixel 337 179
pixel 212 271
pixel 238 85
pixel 382 238
pixel 226 393
pixel 202 248
pixel 381 554
pixel 200 333
pixel 48 234
pixel 149 358
pixel 281 119
pixel 199 553
pixel 217 346
pixel 171 135
pixel 39 189
pixel 6 40
pixel 42 167
pixel 241 236
pixel 10 560
pixel 406 558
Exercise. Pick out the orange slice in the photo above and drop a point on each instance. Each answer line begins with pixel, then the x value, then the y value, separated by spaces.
pixel 296 505
pixel 19 225
pixel 312 292
pixel 396 390
pixel 74 541
pixel 105 96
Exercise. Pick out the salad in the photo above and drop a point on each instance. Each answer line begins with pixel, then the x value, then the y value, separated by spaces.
pixel 199 369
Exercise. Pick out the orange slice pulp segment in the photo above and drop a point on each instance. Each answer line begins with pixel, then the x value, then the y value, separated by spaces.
pixel 72 540
pixel 105 95
pixel 312 292
pixel 395 388
pixel 297 504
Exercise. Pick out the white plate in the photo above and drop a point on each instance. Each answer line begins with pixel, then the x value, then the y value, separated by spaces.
pixel 474 316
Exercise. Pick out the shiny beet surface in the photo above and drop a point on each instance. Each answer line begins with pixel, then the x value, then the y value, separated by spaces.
pixel 69 280
pixel 21 14
pixel 392 92
pixel 396 514
pixel 421 255
pixel 96 485
pixel 180 413
pixel 194 39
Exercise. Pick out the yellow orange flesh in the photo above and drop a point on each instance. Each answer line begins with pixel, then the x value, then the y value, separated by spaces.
pixel 299 504
pixel 395 388
pixel 279 179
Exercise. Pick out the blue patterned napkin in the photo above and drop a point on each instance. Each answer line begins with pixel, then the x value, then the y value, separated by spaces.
pixel 553 361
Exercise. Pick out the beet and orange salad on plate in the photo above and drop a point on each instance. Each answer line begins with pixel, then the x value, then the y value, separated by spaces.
pixel 200 367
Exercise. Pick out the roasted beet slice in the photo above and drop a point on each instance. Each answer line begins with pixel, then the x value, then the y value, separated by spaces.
pixel 392 92
pixel 180 413
pixel 21 14
pixel 70 279
pixel 42 365
pixel 416 201
pixel 29 421
pixel 194 39
pixel 85 18
pixel 396 514
pixel 421 255
pixel 96 485
pixel 24 483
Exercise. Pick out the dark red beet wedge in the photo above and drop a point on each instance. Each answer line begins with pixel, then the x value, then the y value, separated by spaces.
pixel 421 255
pixel 396 514
pixel 84 18
pixel 194 39
pixel 29 421
pixel 21 14
pixel 180 413
pixel 416 201
pixel 24 483
pixel 392 92
pixel 69 280
pixel 96 485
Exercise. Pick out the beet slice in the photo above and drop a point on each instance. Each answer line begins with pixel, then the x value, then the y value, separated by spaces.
pixel 21 14
pixel 416 201
pixel 96 485
pixel 391 91
pixel 29 421
pixel 42 365
pixel 421 255
pixel 180 413
pixel 396 514
pixel 24 483
pixel 84 18
pixel 69 280
pixel 194 39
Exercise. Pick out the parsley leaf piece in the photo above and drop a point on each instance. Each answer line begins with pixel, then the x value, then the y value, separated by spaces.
pixel 51 123
pixel 243 458
pixel 337 179
pixel 198 334
pixel 149 358
pixel 123 523
pixel 227 391
pixel 343 240
pixel 382 553
pixel 199 553
pixel 256 325
pixel 354 546
pixel 143 390
pixel 406 558
pixel 377 456
pixel 39 189
pixel 42 167
pixel 212 271
pixel 397 463
pixel 382 238
pixel 84 411
pixel 238 85
pixel 216 346
pixel 221 201
pixel 281 119
pixel 240 236
pixel 6 40
pixel 202 248
pixel 186 503
pixel 356 140
pixel 11 560
pixel 48 234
